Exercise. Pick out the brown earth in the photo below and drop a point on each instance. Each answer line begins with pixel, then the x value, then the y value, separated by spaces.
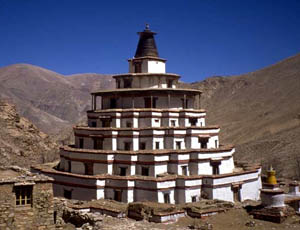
pixel 259 112
pixel 50 100
pixel 234 218
pixel 21 143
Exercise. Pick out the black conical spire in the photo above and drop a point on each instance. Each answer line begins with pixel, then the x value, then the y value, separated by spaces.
pixel 146 45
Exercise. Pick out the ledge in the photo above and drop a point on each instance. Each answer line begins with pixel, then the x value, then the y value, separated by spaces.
pixel 148 57
pixel 168 177
pixel 148 110
pixel 145 90
pixel 146 74
pixel 226 148
pixel 146 128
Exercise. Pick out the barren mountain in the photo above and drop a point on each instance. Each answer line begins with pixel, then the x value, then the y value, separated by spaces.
pixel 50 100
pixel 21 143
pixel 259 112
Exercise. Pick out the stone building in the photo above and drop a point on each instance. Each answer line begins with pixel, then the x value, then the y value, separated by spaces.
pixel 147 140
pixel 26 200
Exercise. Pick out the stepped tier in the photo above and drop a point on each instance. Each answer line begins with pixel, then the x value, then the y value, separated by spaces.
pixel 142 118
pixel 147 98
pixel 167 188
pixel 147 140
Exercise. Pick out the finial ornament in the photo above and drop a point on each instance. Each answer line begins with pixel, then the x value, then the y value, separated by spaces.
pixel 271 168
pixel 271 179
pixel 147 26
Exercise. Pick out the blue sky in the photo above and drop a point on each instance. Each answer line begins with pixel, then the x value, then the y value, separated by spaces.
pixel 199 38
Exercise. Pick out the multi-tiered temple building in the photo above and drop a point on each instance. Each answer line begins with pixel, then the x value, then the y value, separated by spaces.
pixel 147 140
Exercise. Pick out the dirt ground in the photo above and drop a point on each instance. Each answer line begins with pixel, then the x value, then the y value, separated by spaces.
pixel 235 219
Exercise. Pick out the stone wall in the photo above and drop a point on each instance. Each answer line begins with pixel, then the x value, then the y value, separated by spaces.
pixel 37 216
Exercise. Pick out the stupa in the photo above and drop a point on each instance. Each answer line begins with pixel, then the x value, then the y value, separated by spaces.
pixel 147 140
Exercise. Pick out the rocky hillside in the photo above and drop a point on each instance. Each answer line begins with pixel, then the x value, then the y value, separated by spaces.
pixel 50 100
pixel 259 112
pixel 21 143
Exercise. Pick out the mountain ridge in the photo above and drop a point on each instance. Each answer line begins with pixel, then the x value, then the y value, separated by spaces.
pixel 51 100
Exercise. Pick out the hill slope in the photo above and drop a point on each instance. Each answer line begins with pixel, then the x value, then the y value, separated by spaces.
pixel 259 112
pixel 21 143
pixel 48 99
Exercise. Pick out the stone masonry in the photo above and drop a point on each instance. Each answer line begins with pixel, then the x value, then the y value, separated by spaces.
pixel 26 200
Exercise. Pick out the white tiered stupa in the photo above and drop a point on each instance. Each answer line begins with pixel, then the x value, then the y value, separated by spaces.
pixel 147 141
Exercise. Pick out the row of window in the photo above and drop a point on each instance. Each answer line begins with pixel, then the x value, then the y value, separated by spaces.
pixel 149 102
pixel 118 196
pixel 98 144
pixel 89 170
pixel 127 83
pixel 107 122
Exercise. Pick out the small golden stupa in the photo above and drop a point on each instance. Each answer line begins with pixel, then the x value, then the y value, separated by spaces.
pixel 271 179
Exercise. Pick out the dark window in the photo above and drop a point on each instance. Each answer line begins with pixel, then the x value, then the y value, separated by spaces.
pixel 81 143
pixel 23 195
pixel 127 83
pixel 128 124
pixel 193 121
pixel 145 171
pixel 118 195
pixel 215 168
pixel 98 143
pixel 194 198
pixel 184 170
pixel 67 194
pixel 203 143
pixel 142 145
pixel 69 166
pixel 106 123
pixel 118 84
pixel 167 198
pixel 170 83
pixel 236 193
pixel 113 103
pixel 147 102
pixel 138 67
pixel 173 123
pixel 157 145
pixel 127 146
pixel 55 216
pixel 123 171
pixel 89 168
pixel 184 103
pixel 154 102
pixel 178 144
pixel 94 124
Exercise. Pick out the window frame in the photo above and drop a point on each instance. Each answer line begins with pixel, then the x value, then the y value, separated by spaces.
pixel 23 195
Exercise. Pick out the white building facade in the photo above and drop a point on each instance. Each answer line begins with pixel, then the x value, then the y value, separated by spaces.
pixel 147 141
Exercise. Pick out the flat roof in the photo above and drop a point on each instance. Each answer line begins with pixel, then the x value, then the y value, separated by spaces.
pixel 71 148
pixel 17 175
